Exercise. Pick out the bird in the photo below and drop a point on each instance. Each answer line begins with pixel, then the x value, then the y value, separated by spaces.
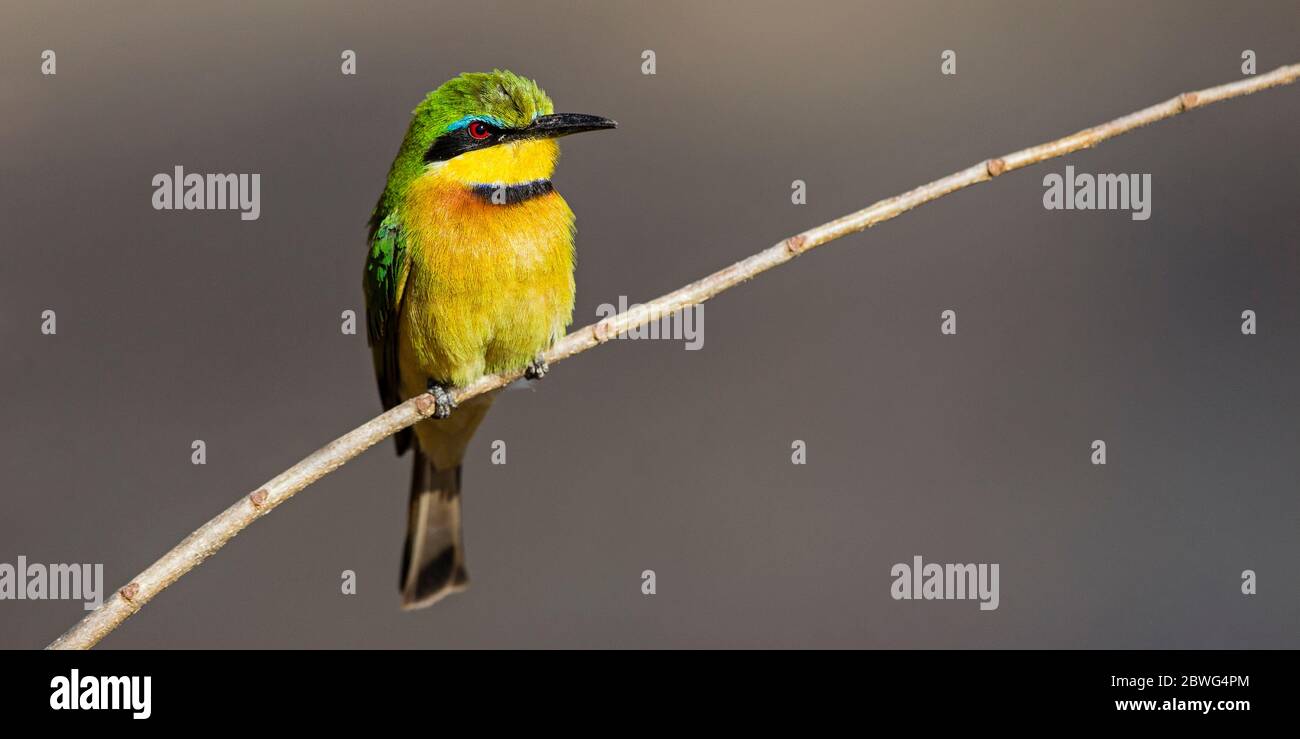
pixel 469 271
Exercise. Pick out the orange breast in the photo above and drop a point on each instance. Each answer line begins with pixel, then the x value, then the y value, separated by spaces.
pixel 490 285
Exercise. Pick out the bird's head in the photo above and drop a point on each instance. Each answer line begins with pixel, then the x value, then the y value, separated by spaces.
pixel 489 128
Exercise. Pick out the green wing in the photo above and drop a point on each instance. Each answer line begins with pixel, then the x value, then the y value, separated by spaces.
pixel 386 270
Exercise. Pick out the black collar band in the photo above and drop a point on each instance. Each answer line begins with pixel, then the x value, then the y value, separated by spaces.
pixel 512 194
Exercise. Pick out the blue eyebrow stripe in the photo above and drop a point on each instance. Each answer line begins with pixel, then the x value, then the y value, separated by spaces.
pixel 463 122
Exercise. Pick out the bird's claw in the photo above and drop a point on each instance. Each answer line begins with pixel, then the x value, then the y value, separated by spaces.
pixel 537 369
pixel 443 403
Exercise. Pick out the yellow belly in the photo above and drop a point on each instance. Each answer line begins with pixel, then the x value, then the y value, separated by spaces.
pixel 490 286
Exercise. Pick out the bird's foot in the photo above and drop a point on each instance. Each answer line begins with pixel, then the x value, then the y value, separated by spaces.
pixel 537 368
pixel 443 403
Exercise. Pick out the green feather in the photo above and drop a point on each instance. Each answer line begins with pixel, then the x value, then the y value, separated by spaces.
pixel 386 270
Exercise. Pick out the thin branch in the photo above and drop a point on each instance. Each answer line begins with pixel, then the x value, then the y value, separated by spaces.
pixel 214 534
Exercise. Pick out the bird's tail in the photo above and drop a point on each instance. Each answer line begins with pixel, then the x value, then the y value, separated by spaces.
pixel 433 565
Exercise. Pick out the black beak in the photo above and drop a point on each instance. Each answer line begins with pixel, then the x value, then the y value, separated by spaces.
pixel 563 124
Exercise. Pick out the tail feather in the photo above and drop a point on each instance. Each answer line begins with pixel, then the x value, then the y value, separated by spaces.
pixel 433 564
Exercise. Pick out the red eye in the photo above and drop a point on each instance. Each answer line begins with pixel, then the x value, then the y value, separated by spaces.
pixel 478 130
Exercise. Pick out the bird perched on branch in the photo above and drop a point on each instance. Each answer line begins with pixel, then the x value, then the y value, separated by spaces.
pixel 470 272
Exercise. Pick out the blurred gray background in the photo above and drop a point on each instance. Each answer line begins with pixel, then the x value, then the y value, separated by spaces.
pixel 1073 326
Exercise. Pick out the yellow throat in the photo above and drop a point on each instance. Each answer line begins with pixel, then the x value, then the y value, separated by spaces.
pixel 505 164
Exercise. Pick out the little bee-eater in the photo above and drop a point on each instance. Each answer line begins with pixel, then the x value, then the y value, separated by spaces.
pixel 470 272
